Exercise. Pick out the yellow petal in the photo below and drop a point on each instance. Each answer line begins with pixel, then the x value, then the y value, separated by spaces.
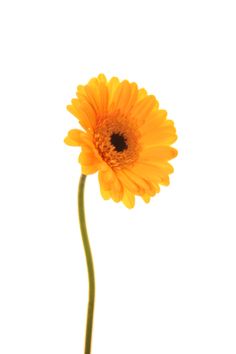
pixel 112 87
pixel 141 94
pixel 70 142
pixel 105 194
pixel 128 199
pixel 76 137
pixel 88 170
pixel 102 78
pixel 146 198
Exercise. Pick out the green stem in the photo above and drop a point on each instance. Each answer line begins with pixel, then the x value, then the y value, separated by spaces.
pixel 89 260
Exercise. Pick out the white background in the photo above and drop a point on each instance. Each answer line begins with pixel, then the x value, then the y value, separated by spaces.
pixel 166 271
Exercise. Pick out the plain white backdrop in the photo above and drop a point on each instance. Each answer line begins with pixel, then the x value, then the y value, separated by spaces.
pixel 166 271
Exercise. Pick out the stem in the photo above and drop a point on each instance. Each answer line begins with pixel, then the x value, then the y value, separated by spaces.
pixel 89 260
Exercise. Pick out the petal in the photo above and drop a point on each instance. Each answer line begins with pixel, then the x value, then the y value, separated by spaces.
pixel 146 198
pixel 133 98
pixel 141 94
pixel 105 194
pixel 155 134
pixel 140 181
pixel 143 108
pixel 76 137
pixel 88 170
pixel 85 116
pixel 87 158
pixel 112 87
pixel 109 182
pixel 150 173
pixel 128 183
pixel 71 142
pixel 93 96
pixel 105 179
pixel 122 96
pixel 128 199
pixel 116 196
pixel 153 173
pixel 97 93
pixel 102 78
pixel 159 153
pixel 165 166
pixel 155 119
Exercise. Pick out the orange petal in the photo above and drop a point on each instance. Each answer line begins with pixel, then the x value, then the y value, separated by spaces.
pixel 155 134
pixel 122 96
pixel 143 184
pixel 143 108
pixel 105 179
pixel 76 109
pixel 88 170
pixel 159 153
pixel 155 173
pixel 93 97
pixel 154 120
pixel 116 196
pixel 132 99
pixel 128 183
pixel 87 158
pixel 150 173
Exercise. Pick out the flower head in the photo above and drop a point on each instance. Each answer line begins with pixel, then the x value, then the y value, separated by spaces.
pixel 126 139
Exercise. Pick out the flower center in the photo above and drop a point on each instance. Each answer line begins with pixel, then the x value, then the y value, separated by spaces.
pixel 116 140
pixel 119 142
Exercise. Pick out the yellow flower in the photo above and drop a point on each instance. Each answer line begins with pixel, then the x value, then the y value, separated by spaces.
pixel 126 138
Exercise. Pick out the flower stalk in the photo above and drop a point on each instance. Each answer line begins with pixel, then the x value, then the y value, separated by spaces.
pixel 90 267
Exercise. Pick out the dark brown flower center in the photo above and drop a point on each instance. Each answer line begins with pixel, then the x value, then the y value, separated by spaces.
pixel 119 142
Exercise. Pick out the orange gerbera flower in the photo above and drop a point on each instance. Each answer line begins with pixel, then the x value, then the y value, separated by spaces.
pixel 126 138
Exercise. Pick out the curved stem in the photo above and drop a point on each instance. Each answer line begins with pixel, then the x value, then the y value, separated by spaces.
pixel 89 260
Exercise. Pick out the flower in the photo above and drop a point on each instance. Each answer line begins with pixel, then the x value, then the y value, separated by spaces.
pixel 126 139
